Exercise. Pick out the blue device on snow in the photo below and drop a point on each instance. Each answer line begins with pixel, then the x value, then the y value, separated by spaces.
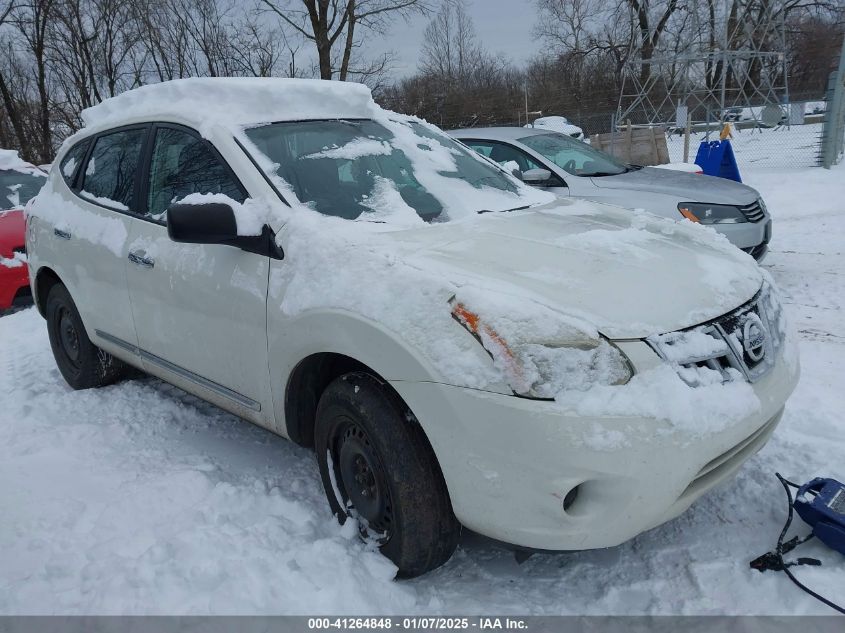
pixel 821 504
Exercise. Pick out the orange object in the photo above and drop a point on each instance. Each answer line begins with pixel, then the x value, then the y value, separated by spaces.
pixel 689 215
pixel 473 323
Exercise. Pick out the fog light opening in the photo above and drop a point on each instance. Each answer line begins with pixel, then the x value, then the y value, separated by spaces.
pixel 570 498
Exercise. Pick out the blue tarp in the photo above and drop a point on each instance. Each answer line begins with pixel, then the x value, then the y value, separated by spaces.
pixel 716 158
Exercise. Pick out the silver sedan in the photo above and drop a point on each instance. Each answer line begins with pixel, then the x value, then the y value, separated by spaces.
pixel 571 168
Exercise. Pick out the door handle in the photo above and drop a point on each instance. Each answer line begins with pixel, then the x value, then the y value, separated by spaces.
pixel 139 258
pixel 62 234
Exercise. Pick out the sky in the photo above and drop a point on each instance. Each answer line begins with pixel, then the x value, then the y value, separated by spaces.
pixel 502 26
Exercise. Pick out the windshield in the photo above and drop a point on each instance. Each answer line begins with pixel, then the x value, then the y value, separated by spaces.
pixel 17 188
pixel 356 167
pixel 574 157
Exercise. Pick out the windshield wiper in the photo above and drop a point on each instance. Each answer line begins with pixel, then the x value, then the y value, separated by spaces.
pixel 599 174
pixel 504 210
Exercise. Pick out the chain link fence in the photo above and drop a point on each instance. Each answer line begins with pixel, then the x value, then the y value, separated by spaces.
pixel 791 139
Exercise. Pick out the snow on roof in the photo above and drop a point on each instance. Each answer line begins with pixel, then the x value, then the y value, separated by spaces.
pixel 494 133
pixel 551 120
pixel 235 100
pixel 9 159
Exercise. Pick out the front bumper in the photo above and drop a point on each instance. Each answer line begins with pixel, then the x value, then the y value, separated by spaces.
pixel 752 237
pixel 510 462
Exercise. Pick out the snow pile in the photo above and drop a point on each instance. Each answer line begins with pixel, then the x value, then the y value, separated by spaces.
pixel 686 349
pixel 9 159
pixel 689 346
pixel 661 394
pixel 558 124
pixel 355 149
pixel 387 205
pixel 16 261
pixel 690 168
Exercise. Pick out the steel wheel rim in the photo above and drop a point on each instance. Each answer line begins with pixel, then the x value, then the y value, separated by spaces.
pixel 68 337
pixel 362 482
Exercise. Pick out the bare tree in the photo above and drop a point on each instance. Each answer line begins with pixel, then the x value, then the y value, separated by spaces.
pixel 450 49
pixel 12 115
pixel 623 27
pixel 31 19
pixel 335 24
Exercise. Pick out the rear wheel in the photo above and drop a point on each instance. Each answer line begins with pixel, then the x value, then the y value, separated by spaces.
pixel 82 364
pixel 378 468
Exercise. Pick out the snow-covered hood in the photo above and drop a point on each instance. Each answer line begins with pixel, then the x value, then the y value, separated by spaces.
pixel 685 187
pixel 629 274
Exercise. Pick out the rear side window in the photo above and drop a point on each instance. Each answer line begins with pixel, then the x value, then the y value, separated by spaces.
pixel 181 164
pixel 70 163
pixel 109 177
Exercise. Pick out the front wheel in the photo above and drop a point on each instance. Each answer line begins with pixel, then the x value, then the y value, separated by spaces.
pixel 378 468
pixel 83 364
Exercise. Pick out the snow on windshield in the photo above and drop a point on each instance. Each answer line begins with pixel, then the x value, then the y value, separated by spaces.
pixel 340 167
pixel 19 180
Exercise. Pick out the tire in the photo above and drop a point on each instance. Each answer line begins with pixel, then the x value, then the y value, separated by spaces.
pixel 378 467
pixel 82 364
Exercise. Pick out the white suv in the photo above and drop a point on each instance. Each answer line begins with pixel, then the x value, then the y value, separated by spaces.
pixel 460 349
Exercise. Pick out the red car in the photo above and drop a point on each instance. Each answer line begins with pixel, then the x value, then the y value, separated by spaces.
pixel 19 181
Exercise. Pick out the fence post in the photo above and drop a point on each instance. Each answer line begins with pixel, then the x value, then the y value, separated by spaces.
pixel 833 132
pixel 612 133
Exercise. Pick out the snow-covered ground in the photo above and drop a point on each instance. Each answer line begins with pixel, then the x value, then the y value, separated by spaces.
pixel 138 498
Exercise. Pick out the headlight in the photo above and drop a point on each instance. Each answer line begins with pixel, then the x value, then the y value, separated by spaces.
pixel 711 213
pixel 545 368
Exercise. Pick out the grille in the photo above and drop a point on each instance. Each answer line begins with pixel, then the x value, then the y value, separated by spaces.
pixel 740 345
pixel 754 212
pixel 717 468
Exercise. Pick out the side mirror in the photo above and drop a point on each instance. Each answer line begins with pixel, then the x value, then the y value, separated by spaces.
pixel 208 223
pixel 214 223
pixel 536 177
